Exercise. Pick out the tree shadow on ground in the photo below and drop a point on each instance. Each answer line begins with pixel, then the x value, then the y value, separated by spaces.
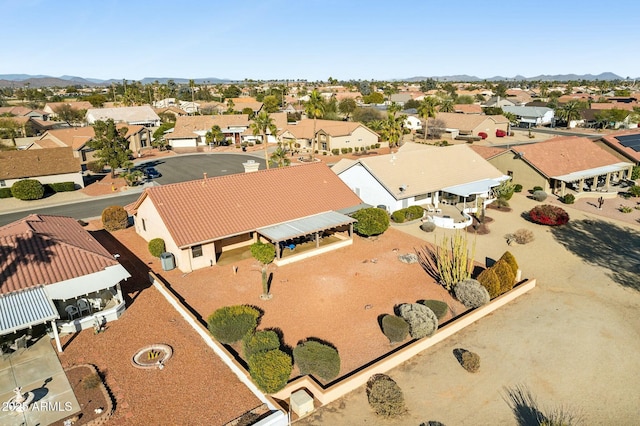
pixel 528 413
pixel 606 245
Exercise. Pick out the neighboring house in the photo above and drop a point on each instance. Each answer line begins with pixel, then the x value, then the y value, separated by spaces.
pixel 240 104
pixel 413 123
pixel 51 166
pixel 472 124
pixel 498 102
pixel 421 175
pixel 467 108
pixel 529 116
pixel 331 134
pixel 143 115
pixel 399 98
pixel 19 111
pixel 173 110
pixel 52 271
pixel 562 163
pixel 51 107
pixel 201 220
pixel 624 145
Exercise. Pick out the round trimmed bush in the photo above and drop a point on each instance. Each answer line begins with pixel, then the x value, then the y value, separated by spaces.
pixel 438 307
pixel 317 359
pixel 539 195
pixel 569 199
pixel 505 275
pixel 371 221
pixel 156 247
pixel 395 328
pixel 270 370
pixel 422 321
pixel 428 226
pixel 490 280
pixel 547 214
pixel 5 193
pixel 231 323
pixel 259 341
pixel 385 396
pixel 27 190
pixel 511 261
pixel 470 361
pixel 115 218
pixel 517 188
pixel 471 293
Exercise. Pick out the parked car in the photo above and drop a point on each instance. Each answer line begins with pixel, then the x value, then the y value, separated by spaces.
pixel 151 173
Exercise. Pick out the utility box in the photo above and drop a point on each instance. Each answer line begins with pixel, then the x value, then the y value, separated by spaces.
pixel 301 403
pixel 167 261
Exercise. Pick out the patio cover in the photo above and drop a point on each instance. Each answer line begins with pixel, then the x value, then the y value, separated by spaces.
pixel 477 187
pixel 24 308
pixel 304 226
pixel 597 171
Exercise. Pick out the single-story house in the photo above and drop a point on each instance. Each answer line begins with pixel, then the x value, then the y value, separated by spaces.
pixel 562 163
pixel 467 108
pixel 423 175
pixel 143 115
pixel 499 102
pixel 51 107
pixel 47 166
pixel 472 124
pixel 529 116
pixel 331 135
pixel 625 145
pixel 413 123
pixel 20 111
pixel 201 220
pixel 54 272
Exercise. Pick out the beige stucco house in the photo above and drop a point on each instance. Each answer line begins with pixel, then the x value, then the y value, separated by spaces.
pixel 331 135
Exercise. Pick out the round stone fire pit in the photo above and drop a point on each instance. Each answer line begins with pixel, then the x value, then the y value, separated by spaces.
pixel 152 356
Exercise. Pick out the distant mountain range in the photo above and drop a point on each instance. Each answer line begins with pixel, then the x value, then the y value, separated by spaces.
pixel 19 80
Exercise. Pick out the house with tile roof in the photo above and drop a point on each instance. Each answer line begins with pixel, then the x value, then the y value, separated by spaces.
pixel 618 145
pixel 530 116
pixel 51 107
pixel 51 166
pixel 53 271
pixel 331 134
pixel 563 164
pixel 142 115
pixel 422 175
pixel 472 124
pixel 203 220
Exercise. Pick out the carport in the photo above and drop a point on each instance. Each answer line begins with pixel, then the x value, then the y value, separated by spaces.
pixel 617 171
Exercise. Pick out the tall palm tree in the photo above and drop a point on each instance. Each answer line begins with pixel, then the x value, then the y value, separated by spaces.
pixel 261 124
pixel 427 110
pixel 314 108
pixel 569 111
pixel 446 105
pixel 279 157
pixel 393 128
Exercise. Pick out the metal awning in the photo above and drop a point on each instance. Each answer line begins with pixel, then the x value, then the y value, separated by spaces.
pixel 304 226
pixel 25 308
pixel 596 171
pixel 477 187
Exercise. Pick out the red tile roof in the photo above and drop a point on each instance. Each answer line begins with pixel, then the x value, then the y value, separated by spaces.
pixel 487 152
pixel 42 249
pixel 611 140
pixel 213 208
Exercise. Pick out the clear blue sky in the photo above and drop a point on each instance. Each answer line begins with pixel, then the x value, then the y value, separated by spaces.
pixel 318 39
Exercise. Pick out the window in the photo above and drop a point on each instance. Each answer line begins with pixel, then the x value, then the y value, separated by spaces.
pixel 144 225
pixel 3 183
pixel 196 251
pixel 421 197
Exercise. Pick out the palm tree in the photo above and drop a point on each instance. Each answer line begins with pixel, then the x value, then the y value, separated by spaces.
pixel 393 128
pixel 279 157
pixel 569 111
pixel 261 124
pixel 446 105
pixel 314 108
pixel 427 110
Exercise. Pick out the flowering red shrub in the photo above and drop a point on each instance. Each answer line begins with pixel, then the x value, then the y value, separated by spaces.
pixel 547 214
pixel 483 135
pixel 500 133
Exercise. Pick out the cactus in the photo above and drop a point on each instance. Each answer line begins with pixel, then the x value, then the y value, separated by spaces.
pixel 454 259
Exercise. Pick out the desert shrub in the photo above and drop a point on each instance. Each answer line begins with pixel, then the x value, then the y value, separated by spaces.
pixel 438 307
pixel 95 167
pixel 471 293
pixel 395 328
pixel 27 189
pixel 91 381
pixel 635 173
pixel 259 341
pixel 489 280
pixel 547 214
pixel 115 218
pixel 625 209
pixel 505 275
pixel 569 199
pixel 385 396
pixel 371 221
pixel 398 216
pixel 317 359
pixel 505 190
pixel 422 321
pixel 270 370
pixel 634 191
pixel 5 193
pixel 537 188
pixel 454 259
pixel 231 323
pixel 428 226
pixel 539 195
pixel 517 188
pixel 523 236
pixel 156 247
pixel 500 203
pixel 407 214
pixel 62 186
pixel 511 261
pixel 470 361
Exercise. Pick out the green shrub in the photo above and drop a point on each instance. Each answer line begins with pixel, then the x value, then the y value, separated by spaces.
pixel 422 321
pixel 471 293
pixel 537 188
pixel 371 221
pixel 5 193
pixel 398 216
pixel 350 150
pixel 335 151
pixel 569 199
pixel 270 370
pixel 385 396
pixel 517 188
pixel 259 341
pixel 470 361
pixel 505 275
pixel 27 189
pixel 357 148
pixel 231 323
pixel 539 195
pixel 344 150
pixel 377 145
pixel 395 328
pixel 115 218
pixel 511 261
pixel 438 307
pixel 489 280
pixel 634 191
pixel 156 247
pixel 625 209
pixel 317 359
pixel 505 190
pixel 62 186
pixel 407 214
